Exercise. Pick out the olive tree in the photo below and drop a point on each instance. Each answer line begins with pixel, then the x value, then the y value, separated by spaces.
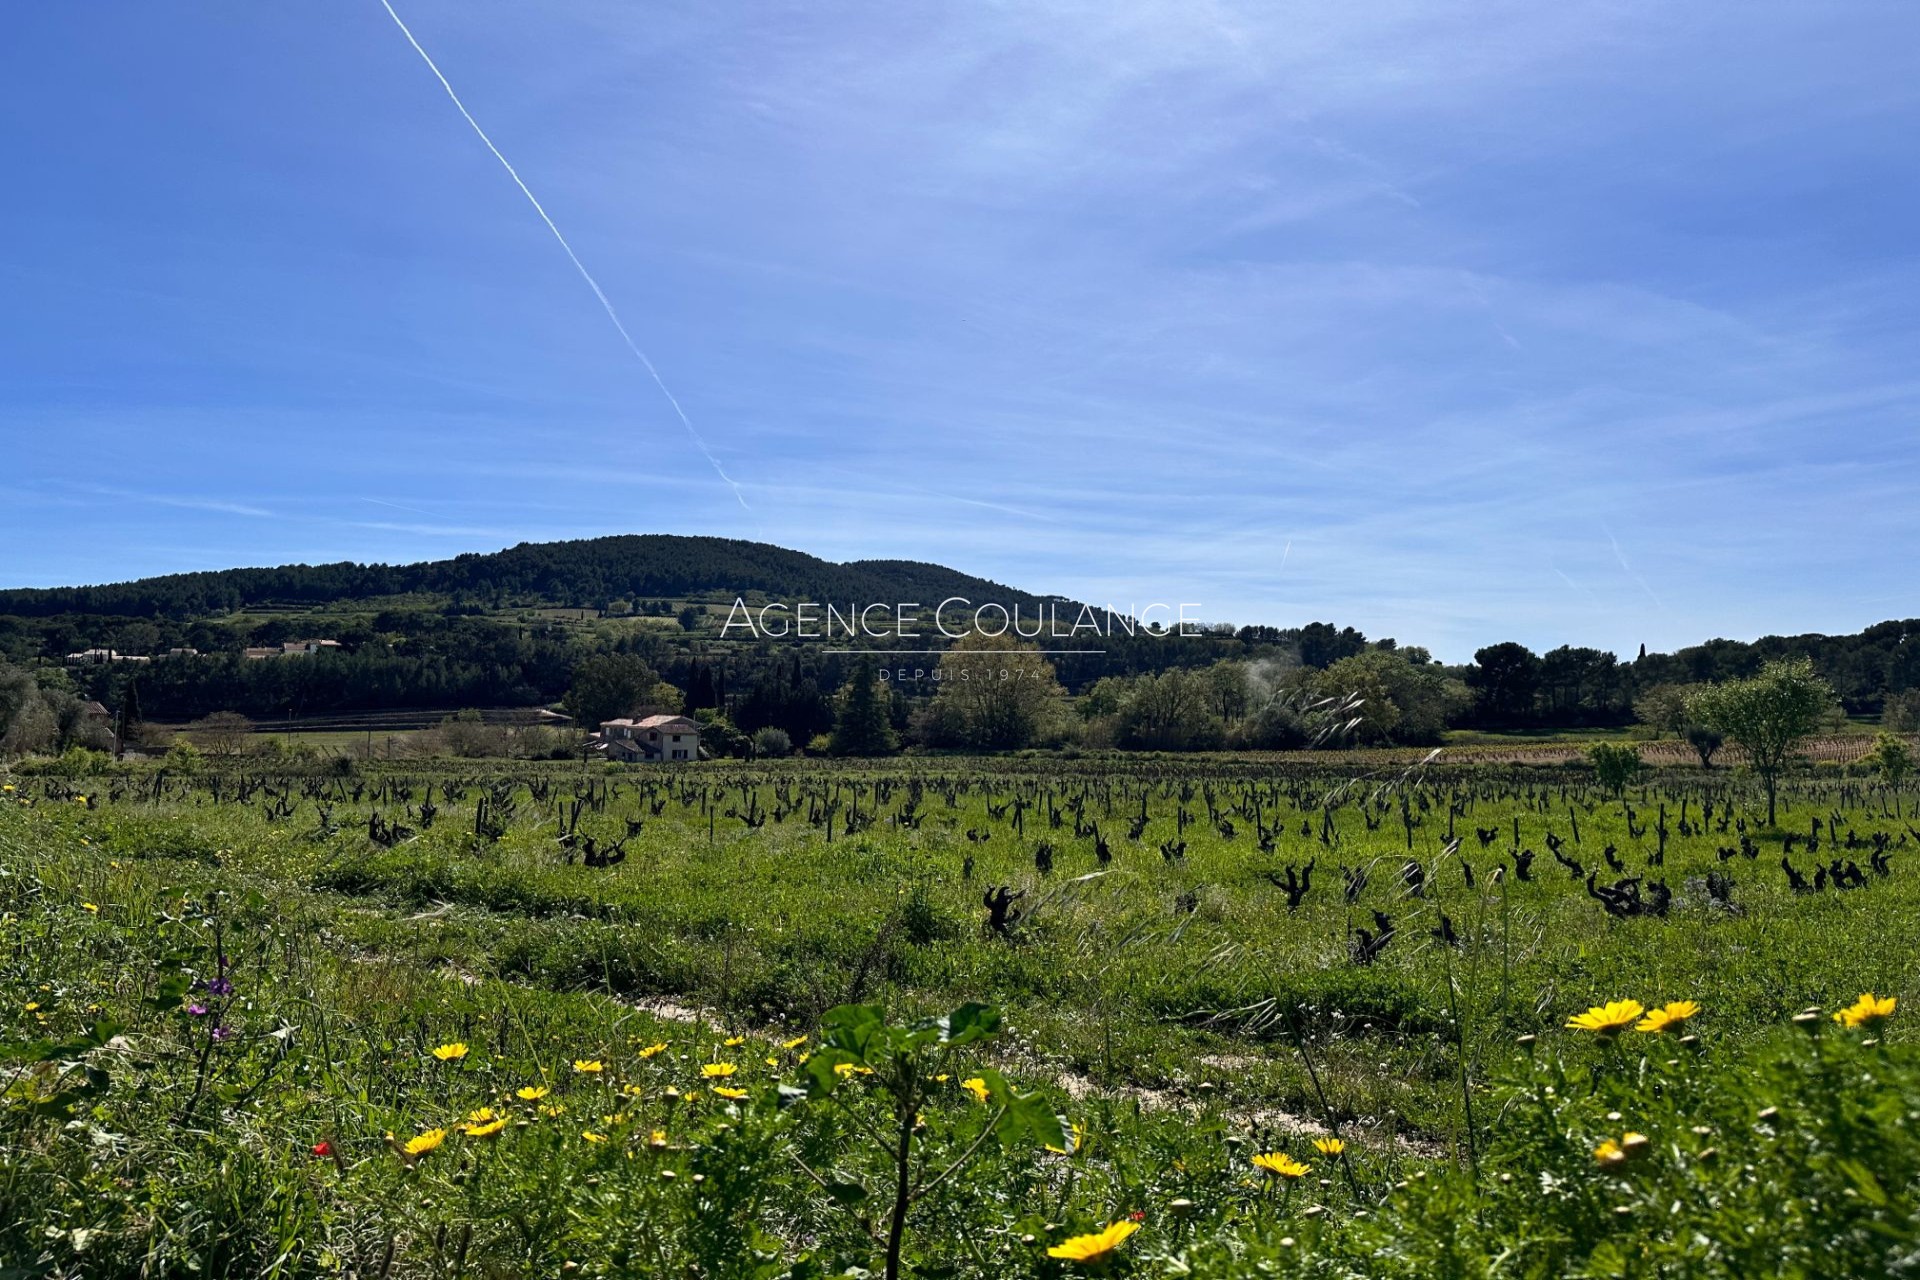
pixel 1664 707
pixel 224 733
pixel 1615 765
pixel 1768 716
pixel 1891 757
pixel 995 693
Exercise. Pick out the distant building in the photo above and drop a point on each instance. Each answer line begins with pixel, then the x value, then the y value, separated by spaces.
pixel 98 715
pixel 294 649
pixel 649 738
pixel 88 657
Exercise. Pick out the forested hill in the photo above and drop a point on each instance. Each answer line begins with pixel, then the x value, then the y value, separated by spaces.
pixel 586 573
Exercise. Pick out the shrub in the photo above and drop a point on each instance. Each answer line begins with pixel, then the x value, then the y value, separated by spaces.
pixel 1891 758
pixel 1614 765
pixel 183 757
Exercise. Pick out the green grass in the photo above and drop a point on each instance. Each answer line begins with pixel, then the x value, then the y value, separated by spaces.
pixel 1501 737
pixel 1174 1008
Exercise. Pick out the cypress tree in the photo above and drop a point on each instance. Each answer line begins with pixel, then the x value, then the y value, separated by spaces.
pixel 863 727
pixel 130 716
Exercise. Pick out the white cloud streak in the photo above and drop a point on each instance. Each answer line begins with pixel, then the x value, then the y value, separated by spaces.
pixel 606 305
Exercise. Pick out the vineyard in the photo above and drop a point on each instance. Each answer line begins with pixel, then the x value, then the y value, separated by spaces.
pixel 1353 1016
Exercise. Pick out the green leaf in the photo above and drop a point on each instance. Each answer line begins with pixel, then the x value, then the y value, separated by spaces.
pixel 171 992
pixel 1027 1119
pixel 902 1040
pixel 1038 1120
pixel 54 1051
pixel 855 1029
pixel 851 1017
pixel 846 1191
pixel 1864 1182
pixel 970 1022
pixel 821 1078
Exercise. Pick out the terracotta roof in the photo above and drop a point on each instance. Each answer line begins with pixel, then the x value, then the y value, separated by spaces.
pixel 652 722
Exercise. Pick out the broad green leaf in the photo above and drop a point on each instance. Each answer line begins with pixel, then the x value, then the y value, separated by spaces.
pixel 970 1022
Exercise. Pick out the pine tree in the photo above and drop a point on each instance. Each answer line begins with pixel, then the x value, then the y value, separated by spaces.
pixel 863 727
pixel 129 728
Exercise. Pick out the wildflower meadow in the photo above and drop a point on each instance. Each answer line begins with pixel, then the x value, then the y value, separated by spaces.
pixel 956 1019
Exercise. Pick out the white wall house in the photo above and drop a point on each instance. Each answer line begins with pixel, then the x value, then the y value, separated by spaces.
pixel 665 738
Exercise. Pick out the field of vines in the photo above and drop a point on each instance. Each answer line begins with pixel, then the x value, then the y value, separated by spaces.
pixel 957 1018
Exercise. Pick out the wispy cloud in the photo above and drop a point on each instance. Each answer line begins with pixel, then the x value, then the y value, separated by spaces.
pixel 184 502
pixel 434 530
pixel 382 502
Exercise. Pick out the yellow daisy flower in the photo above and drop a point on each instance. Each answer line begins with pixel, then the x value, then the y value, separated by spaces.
pixel 1667 1016
pixel 1866 1011
pixel 1611 1153
pixel 451 1052
pixel 420 1144
pixel 1094 1248
pixel 1280 1163
pixel 1608 1019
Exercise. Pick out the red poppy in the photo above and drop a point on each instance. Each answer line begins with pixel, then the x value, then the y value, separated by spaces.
pixel 323 1149
pixel 1138 1215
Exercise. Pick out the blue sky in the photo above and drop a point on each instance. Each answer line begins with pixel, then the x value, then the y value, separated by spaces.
pixel 1588 323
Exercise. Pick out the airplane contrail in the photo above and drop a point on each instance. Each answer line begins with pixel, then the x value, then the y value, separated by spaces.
pixel 578 265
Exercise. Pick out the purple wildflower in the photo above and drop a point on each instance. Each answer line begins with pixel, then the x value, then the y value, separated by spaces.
pixel 222 1033
pixel 197 1010
pixel 220 987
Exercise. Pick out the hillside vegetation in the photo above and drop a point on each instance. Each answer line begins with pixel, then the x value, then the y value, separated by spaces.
pixel 584 573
